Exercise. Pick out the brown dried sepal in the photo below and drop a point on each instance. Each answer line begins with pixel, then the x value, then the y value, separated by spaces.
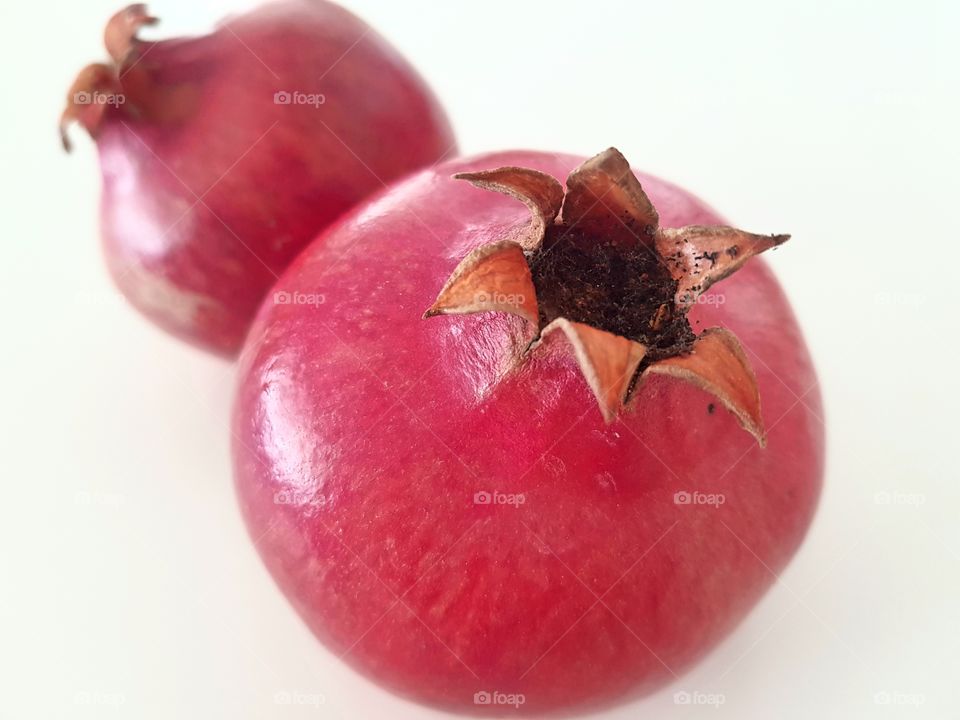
pixel 718 365
pixel 492 278
pixel 120 35
pixel 83 102
pixel 608 361
pixel 541 194
pixel 605 199
pixel 698 255
pixel 605 202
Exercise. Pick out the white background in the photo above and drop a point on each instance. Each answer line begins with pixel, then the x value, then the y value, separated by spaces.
pixel 126 575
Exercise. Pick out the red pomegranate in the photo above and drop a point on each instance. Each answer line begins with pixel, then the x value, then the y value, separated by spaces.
pixel 223 155
pixel 487 515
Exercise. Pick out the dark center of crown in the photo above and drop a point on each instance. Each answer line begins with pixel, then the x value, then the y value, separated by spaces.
pixel 623 290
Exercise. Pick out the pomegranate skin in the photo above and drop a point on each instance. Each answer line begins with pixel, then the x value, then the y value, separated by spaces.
pixel 365 436
pixel 206 201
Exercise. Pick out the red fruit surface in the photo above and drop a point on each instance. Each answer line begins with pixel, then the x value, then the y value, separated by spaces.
pixel 363 435
pixel 201 213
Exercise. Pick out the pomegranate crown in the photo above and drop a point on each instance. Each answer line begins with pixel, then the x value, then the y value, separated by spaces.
pixel 594 264
pixel 125 83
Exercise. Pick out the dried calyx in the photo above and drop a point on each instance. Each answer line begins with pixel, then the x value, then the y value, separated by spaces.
pixel 123 82
pixel 594 264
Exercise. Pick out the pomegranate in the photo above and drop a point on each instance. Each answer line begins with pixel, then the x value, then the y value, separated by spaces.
pixel 545 500
pixel 223 155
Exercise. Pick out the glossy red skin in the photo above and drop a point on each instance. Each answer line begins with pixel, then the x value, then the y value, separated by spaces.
pixel 362 433
pixel 270 176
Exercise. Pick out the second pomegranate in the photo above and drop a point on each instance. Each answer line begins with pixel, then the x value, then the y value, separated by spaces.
pixel 223 155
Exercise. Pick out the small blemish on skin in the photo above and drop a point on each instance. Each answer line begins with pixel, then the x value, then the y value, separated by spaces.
pixel 553 465
pixel 606 481
pixel 710 408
